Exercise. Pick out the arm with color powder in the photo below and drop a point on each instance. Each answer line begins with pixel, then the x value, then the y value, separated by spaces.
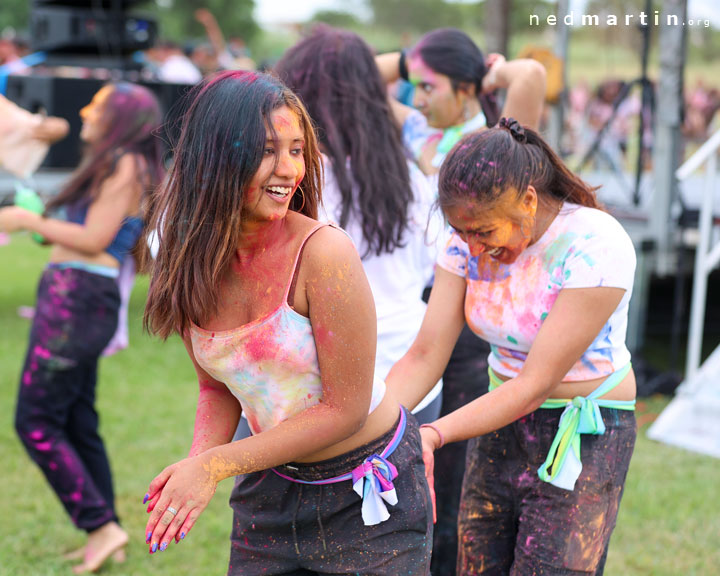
pixel 573 323
pixel 342 314
pixel 414 375
pixel 104 217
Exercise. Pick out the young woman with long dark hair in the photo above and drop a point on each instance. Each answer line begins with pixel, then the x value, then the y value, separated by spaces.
pixel 454 85
pixel 542 273
pixel 278 319
pixel 92 225
pixel 370 188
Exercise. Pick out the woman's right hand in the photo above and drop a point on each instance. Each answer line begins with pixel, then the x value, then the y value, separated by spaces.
pixel 175 498
pixel 429 438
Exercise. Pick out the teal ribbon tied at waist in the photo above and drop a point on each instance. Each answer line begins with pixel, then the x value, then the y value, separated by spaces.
pixel 563 466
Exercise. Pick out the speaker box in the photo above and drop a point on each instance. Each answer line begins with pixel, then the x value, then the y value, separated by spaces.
pixel 64 97
pixel 105 32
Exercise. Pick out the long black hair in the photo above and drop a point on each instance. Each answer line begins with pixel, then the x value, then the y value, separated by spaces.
pixel 197 212
pixel 335 74
pixel 451 52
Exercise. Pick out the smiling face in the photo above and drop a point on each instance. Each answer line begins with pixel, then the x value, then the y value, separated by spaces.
pixel 501 231
pixel 93 117
pixel 434 95
pixel 281 171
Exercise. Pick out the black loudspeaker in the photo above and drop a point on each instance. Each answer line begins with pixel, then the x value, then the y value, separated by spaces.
pixel 98 31
pixel 65 97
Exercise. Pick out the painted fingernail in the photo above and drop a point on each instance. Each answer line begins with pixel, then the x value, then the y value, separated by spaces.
pixel 147 497
pixel 182 535
pixel 147 537
pixel 154 547
pixel 163 547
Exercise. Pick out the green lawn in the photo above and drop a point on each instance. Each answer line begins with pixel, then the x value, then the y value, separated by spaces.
pixel 668 526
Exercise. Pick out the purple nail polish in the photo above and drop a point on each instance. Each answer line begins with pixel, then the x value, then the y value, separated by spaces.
pixel 147 497
pixel 163 547
pixel 182 535
pixel 147 537
pixel 154 547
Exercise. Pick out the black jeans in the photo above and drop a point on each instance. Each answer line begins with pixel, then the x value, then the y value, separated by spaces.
pixel 283 527
pixel 511 522
pixel 465 379
pixel 76 315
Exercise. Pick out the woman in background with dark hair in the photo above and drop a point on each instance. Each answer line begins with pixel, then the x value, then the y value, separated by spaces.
pixel 453 92
pixel 278 319
pixel 370 188
pixel 92 225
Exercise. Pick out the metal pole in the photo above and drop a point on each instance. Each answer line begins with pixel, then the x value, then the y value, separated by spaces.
pixel 667 136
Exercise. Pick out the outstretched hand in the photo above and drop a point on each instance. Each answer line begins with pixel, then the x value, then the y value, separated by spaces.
pixel 429 446
pixel 176 497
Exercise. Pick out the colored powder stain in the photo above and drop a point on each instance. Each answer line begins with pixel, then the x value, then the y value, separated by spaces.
pixel 43 446
pixel 42 352
pixel 512 340
pixel 26 379
pixel 76 496
pixel 53 466
pixel 36 435
pixel 543 316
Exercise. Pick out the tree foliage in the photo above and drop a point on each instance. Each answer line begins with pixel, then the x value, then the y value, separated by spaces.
pixel 14 14
pixel 176 18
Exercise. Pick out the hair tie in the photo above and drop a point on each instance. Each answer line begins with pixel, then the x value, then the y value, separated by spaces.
pixel 515 128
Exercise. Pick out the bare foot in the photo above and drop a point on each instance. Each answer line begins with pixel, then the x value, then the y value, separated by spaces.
pixel 119 556
pixel 102 543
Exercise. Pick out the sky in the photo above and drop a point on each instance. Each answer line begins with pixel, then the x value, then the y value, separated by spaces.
pixel 272 11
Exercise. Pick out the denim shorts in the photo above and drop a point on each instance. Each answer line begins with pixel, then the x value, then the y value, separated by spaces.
pixel 511 522
pixel 283 527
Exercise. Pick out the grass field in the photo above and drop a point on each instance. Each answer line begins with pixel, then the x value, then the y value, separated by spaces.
pixel 668 525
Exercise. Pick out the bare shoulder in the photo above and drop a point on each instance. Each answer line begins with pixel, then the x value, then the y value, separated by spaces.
pixel 330 247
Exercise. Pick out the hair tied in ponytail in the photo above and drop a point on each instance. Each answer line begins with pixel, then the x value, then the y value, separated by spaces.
pixel 515 128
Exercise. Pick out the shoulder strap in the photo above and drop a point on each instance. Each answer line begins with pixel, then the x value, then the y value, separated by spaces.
pixel 290 290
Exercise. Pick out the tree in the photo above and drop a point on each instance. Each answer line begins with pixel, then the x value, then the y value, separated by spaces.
pixel 14 14
pixel 176 18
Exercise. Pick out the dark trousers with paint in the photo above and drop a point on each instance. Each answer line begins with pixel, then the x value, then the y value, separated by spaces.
pixel 285 528
pixel 76 316
pixel 465 379
pixel 511 522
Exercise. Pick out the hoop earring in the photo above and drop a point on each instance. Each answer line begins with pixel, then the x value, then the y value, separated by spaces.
pixel 302 193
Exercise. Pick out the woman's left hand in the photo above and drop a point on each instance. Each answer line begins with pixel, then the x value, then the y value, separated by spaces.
pixel 14 218
pixel 429 437
pixel 186 488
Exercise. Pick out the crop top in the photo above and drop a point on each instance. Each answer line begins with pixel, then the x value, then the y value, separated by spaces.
pixel 270 364
pixel 126 237
pixel 506 304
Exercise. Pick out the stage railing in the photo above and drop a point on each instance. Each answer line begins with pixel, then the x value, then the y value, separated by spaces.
pixel 707 256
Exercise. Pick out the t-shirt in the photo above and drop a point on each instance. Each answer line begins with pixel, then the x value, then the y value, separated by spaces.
pixel 506 304
pixel 396 279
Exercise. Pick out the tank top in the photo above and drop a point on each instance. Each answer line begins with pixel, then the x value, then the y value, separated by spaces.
pixel 269 364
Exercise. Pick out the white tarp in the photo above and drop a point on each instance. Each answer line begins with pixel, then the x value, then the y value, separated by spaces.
pixel 692 419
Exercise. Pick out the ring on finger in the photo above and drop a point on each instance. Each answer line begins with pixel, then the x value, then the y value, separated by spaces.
pixel 171 510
